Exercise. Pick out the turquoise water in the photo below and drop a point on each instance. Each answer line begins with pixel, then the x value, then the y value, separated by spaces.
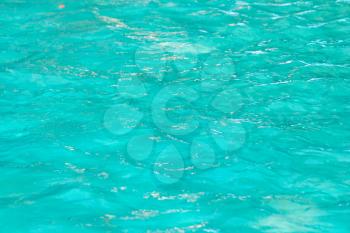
pixel 183 116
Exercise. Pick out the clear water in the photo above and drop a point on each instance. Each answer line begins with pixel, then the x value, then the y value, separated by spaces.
pixel 184 116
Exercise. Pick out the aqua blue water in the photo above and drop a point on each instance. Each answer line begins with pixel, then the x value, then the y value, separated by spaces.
pixel 174 116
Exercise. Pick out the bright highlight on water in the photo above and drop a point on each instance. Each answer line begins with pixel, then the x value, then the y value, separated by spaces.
pixel 174 116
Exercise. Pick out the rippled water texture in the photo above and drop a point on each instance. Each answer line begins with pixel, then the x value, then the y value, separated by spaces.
pixel 184 116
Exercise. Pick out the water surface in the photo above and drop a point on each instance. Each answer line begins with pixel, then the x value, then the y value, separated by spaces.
pixel 174 116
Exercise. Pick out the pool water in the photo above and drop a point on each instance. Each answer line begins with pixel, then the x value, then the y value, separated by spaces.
pixel 174 116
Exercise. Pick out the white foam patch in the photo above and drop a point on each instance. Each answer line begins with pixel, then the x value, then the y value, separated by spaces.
pixel 292 217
